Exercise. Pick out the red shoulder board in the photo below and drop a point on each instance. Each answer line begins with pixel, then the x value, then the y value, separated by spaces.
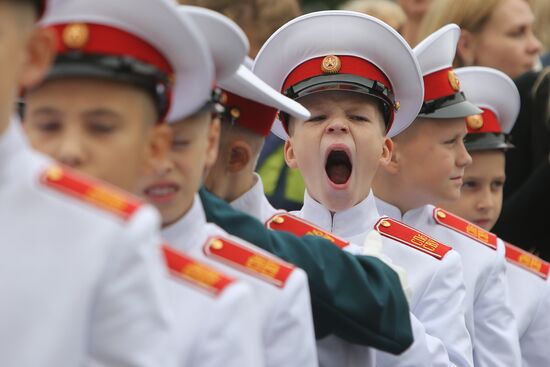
pixel 192 271
pixel 91 191
pixel 527 261
pixel 299 227
pixel 243 258
pixel 468 229
pixel 409 236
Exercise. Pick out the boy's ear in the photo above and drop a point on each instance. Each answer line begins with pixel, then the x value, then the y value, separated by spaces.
pixel 40 52
pixel 387 151
pixel 392 164
pixel 466 48
pixel 240 156
pixel 213 147
pixel 290 157
pixel 159 148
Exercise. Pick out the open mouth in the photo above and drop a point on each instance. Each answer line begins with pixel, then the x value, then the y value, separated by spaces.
pixel 161 192
pixel 338 167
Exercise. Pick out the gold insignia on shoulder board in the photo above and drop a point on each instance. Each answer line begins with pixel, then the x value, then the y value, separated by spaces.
pixel 331 64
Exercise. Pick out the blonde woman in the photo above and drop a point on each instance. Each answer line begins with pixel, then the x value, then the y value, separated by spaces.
pixel 495 33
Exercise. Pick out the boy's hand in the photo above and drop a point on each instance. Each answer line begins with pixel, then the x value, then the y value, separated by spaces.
pixel 373 247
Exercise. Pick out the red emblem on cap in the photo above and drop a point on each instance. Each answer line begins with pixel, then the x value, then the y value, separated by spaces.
pixel 409 236
pixel 297 226
pixel 91 191
pixel 527 261
pixel 468 229
pixel 249 260
pixel 196 273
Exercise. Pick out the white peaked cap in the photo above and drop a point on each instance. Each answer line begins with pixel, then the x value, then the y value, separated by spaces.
pixel 491 89
pixel 247 85
pixel 348 36
pixel 158 23
pixel 442 95
pixel 225 39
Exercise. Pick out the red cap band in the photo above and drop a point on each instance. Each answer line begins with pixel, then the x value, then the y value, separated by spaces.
pixel 106 40
pixel 487 122
pixel 249 114
pixel 349 65
pixel 442 83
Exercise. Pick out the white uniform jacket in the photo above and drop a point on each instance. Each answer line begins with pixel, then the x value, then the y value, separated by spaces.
pixel 283 303
pixel 437 285
pixel 529 286
pixel 334 351
pixel 218 323
pixel 80 285
pixel 489 318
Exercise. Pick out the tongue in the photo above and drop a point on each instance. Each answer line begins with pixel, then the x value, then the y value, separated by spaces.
pixel 338 173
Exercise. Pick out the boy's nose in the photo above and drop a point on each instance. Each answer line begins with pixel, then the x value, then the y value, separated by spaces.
pixel 71 152
pixel 337 126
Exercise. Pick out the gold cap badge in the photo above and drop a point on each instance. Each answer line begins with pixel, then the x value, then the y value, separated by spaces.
pixel 441 215
pixel 454 81
pixel 331 64
pixel 76 35
pixel 474 122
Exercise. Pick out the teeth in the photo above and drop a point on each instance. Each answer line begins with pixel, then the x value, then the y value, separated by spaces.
pixel 161 191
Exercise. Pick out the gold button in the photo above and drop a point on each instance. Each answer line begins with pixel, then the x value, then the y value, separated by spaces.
pixel 278 220
pixel 54 173
pixel 454 81
pixel 385 223
pixel 397 105
pixel 216 244
pixel 441 215
pixel 235 113
pixel 76 35
pixel 331 64
pixel 475 122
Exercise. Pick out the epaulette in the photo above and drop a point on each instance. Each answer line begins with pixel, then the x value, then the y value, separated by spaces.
pixel 297 226
pixel 409 236
pixel 244 258
pixel 527 260
pixel 195 273
pixel 99 194
pixel 468 229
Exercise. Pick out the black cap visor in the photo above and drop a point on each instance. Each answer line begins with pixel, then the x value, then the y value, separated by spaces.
pixel 118 69
pixel 344 83
pixel 454 106
pixel 487 141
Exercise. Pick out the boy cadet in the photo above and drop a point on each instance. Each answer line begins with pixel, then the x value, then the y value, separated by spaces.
pixel 352 89
pixel 282 295
pixel 481 202
pixel 427 167
pixel 244 126
pixel 84 120
pixel 73 270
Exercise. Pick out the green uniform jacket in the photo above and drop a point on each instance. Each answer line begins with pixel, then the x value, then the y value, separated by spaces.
pixel 357 298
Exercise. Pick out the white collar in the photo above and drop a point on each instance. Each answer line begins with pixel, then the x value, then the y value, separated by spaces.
pixel 12 142
pixel 190 230
pixel 254 203
pixel 348 223
pixel 409 217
